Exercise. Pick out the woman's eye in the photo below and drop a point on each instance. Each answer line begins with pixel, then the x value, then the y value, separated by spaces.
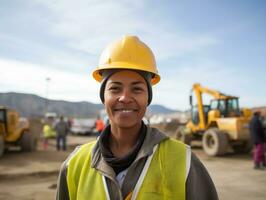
pixel 114 89
pixel 138 89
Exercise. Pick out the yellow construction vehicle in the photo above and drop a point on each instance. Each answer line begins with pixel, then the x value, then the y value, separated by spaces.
pixel 220 126
pixel 14 131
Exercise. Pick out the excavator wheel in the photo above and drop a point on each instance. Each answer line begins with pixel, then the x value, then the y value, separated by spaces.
pixel 28 142
pixel 2 145
pixel 184 137
pixel 215 142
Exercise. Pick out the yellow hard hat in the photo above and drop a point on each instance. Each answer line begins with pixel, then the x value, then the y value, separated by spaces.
pixel 127 53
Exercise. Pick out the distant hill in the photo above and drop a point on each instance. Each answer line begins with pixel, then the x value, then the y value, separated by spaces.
pixel 159 109
pixel 30 105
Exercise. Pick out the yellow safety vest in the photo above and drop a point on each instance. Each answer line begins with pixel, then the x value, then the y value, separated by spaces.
pixel 164 179
pixel 48 131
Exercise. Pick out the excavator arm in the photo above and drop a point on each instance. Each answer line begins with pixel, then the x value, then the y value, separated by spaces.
pixel 198 91
pixel 197 88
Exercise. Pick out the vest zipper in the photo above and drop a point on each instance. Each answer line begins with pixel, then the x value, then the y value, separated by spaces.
pixel 104 176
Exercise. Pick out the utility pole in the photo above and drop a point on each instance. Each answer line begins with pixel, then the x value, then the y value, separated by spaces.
pixel 47 92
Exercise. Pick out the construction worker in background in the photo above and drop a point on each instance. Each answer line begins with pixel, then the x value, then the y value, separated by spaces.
pixel 131 160
pixel 99 124
pixel 61 128
pixel 258 139
pixel 48 132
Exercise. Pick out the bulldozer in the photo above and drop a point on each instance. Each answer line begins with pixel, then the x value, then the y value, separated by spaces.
pixel 14 131
pixel 220 126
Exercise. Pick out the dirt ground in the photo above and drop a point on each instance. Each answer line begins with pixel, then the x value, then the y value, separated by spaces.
pixel 32 176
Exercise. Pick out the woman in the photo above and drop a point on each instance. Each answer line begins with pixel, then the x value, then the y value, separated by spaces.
pixel 131 160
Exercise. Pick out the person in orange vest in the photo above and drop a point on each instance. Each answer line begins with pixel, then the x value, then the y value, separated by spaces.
pixel 99 124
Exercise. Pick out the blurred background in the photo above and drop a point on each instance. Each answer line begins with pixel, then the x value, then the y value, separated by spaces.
pixel 212 49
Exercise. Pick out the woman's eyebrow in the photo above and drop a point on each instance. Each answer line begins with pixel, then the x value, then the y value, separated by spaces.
pixel 115 82
pixel 119 83
pixel 138 82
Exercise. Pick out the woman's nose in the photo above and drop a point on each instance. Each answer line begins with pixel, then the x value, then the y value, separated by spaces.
pixel 126 96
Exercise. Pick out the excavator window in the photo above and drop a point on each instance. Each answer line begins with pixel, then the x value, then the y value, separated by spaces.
pixel 227 107
pixel 195 113
pixel 233 107
pixel 2 116
pixel 214 104
pixel 219 104
pixel 222 107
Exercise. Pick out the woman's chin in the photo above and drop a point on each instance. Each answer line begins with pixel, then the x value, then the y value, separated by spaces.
pixel 124 123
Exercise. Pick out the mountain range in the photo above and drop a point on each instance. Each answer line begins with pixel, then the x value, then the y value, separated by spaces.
pixel 31 106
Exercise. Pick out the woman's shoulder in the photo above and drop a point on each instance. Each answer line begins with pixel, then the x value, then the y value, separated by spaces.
pixel 81 151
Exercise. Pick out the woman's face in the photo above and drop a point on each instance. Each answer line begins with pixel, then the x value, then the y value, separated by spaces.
pixel 126 99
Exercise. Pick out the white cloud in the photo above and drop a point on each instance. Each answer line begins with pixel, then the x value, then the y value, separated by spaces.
pixel 46 54
pixel 174 89
pixel 90 25
pixel 30 78
pixel 167 43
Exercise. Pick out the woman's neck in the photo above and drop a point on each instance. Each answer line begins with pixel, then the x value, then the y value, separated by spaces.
pixel 122 140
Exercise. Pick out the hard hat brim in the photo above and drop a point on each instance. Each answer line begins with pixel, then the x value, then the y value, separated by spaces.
pixel 98 76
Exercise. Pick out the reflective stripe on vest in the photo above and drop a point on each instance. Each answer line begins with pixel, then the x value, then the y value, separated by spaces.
pixel 163 178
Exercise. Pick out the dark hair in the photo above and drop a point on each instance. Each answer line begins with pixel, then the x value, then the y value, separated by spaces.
pixel 257 113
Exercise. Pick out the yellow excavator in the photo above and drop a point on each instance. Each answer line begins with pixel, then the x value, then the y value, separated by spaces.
pixel 14 131
pixel 220 125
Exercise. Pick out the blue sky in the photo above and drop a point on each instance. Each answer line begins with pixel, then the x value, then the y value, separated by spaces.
pixel 220 44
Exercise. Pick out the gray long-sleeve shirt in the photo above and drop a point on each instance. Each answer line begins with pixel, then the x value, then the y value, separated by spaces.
pixel 199 185
pixel 61 128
